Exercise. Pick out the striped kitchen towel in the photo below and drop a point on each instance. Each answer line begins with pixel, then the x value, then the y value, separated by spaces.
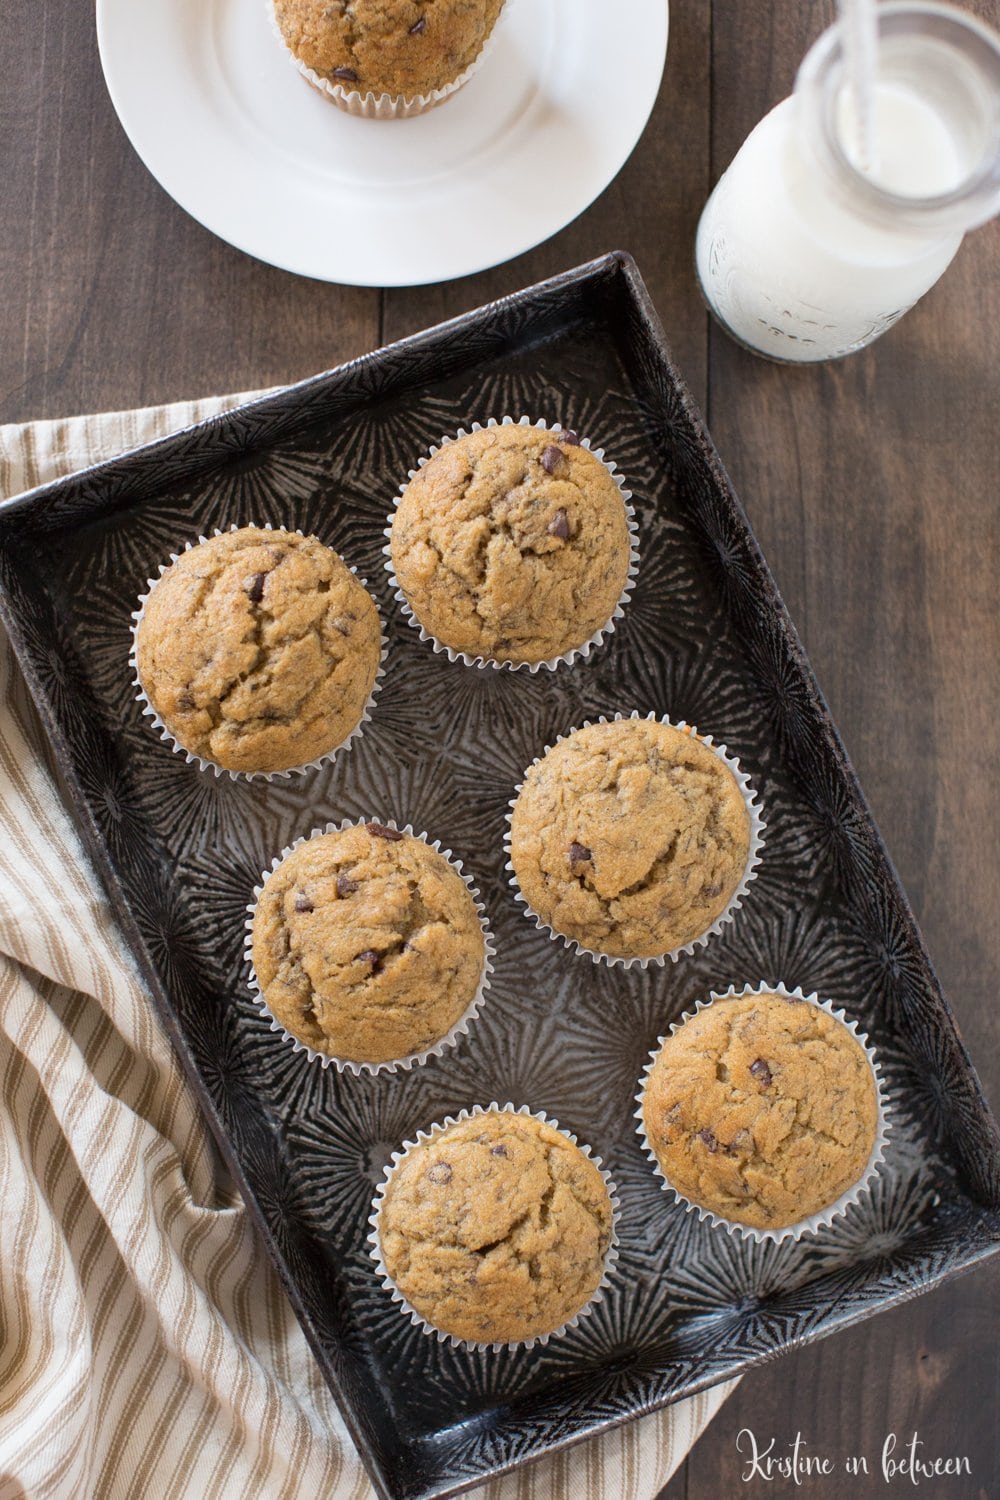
pixel 146 1346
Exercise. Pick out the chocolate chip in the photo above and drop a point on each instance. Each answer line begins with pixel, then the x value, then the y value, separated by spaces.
pixel 552 459
pixel 369 956
pixel 569 436
pixel 419 27
pixel 709 1139
pixel 255 592
pixel 380 831
pixel 347 74
pixel 579 853
pixel 498 1150
pixel 762 1073
pixel 346 886
pixel 440 1173
pixel 559 525
pixel 186 703
pixel 302 903
pixel 714 890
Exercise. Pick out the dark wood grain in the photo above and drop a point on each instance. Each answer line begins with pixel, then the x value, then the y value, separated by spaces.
pixel 872 485
pixel 112 295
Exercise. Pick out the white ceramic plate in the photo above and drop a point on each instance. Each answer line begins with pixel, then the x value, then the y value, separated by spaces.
pixel 229 128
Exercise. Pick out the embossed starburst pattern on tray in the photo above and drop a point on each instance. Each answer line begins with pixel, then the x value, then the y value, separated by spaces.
pixel 704 639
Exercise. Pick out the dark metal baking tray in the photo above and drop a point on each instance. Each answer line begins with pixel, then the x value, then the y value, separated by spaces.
pixel 706 638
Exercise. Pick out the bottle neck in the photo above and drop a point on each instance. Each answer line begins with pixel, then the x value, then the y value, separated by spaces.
pixel 936 170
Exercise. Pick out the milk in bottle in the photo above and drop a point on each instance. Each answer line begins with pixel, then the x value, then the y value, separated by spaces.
pixel 801 254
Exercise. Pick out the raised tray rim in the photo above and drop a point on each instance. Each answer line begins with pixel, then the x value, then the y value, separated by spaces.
pixel 615 264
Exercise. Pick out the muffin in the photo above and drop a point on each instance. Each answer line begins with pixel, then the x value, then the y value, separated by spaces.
pixel 762 1108
pixel 403 48
pixel 495 1229
pixel 258 650
pixel 630 838
pixel 367 944
pixel 511 544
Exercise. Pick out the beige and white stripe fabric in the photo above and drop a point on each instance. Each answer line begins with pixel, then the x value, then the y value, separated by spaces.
pixel 146 1347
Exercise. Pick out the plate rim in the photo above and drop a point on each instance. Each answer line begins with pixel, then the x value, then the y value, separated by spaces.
pixel 146 151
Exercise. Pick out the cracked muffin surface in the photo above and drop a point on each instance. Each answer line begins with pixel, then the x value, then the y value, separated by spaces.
pixel 496 1230
pixel 367 944
pixel 762 1109
pixel 630 837
pixel 259 649
pixel 512 544
pixel 401 47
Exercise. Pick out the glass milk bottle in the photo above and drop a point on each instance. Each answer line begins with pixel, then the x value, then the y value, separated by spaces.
pixel 803 256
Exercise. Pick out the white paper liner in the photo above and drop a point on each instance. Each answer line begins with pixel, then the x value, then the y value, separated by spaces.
pixel 757 829
pixel 823 1217
pixel 567 657
pixel 414 1059
pixel 149 711
pixel 422 1136
pixel 372 106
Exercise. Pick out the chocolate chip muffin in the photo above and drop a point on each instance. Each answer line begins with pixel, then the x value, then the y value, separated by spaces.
pixel 496 1229
pixel 512 544
pixel 399 47
pixel 259 650
pixel 761 1108
pixel 367 944
pixel 630 838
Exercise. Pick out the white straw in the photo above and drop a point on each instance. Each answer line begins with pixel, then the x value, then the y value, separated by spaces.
pixel 860 30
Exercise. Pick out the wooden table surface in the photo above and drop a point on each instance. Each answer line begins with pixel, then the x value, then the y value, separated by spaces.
pixel 872 485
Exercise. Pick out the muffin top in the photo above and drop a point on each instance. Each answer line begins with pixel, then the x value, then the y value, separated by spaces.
pixel 512 544
pixel 496 1230
pixel 367 944
pixel 259 649
pixel 762 1109
pixel 404 47
pixel 630 837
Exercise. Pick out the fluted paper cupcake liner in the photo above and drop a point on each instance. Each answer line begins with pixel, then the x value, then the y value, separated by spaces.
pixel 371 106
pixel 423 1136
pixel 200 761
pixel 757 830
pixel 413 1059
pixel 823 1217
pixel 567 657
